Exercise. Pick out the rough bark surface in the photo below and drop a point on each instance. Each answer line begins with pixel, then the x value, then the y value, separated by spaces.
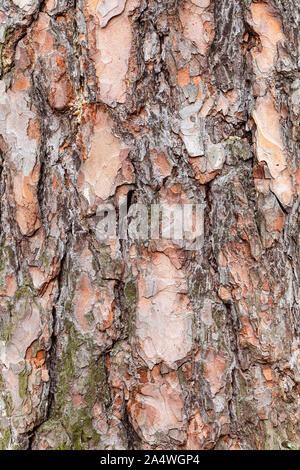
pixel 145 345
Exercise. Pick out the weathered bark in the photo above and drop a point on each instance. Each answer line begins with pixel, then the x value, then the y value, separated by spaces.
pixel 146 345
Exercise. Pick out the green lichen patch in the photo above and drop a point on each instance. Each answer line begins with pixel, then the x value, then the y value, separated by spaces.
pixel 130 294
pixel 5 65
pixel 91 380
pixel 237 149
pixel 4 439
pixel 44 259
pixel 23 382
pixel 109 268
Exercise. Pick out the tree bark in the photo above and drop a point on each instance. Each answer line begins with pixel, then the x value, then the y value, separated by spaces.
pixel 132 344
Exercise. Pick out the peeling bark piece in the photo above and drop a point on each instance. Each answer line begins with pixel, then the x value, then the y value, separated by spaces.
pixel 199 433
pixel 103 164
pixel 270 31
pixel 201 3
pixel 22 143
pixel 270 148
pixel 14 121
pixel 111 56
pixel 215 155
pixel 214 369
pixel 110 8
pixel 164 319
pixel 104 161
pixel 190 127
pixel 28 212
pixel 158 408
pixel 27 5
pixel 197 25
pixel 269 145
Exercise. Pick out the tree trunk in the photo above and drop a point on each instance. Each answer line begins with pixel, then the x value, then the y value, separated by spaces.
pixel 143 343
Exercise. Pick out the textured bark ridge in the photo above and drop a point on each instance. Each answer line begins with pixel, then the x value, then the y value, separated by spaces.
pixel 145 345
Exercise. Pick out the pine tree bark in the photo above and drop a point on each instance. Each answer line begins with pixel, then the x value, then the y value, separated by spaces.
pixel 146 345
